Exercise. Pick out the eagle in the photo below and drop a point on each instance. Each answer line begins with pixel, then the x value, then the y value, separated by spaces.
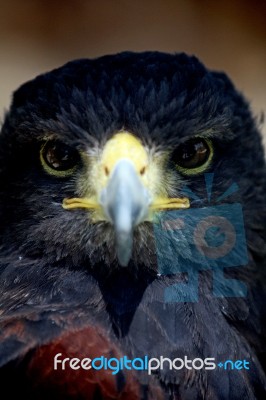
pixel 132 234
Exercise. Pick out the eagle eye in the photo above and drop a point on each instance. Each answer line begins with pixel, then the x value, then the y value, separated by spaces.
pixel 193 156
pixel 58 158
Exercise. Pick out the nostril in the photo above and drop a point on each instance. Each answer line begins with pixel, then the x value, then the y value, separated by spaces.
pixel 106 170
pixel 142 171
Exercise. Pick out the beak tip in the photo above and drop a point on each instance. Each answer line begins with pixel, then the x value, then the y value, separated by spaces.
pixel 123 263
pixel 124 243
pixel 123 258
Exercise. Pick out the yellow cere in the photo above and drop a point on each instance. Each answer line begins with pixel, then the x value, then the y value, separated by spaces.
pixel 123 145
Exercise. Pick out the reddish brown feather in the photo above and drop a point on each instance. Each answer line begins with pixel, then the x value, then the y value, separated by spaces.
pixel 88 342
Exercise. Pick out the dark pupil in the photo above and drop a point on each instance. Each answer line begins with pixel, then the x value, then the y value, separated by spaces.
pixel 60 157
pixel 192 154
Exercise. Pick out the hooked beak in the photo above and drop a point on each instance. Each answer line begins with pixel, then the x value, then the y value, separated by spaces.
pixel 124 199
pixel 126 203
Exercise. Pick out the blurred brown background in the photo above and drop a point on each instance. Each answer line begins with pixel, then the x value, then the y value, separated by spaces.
pixel 38 35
